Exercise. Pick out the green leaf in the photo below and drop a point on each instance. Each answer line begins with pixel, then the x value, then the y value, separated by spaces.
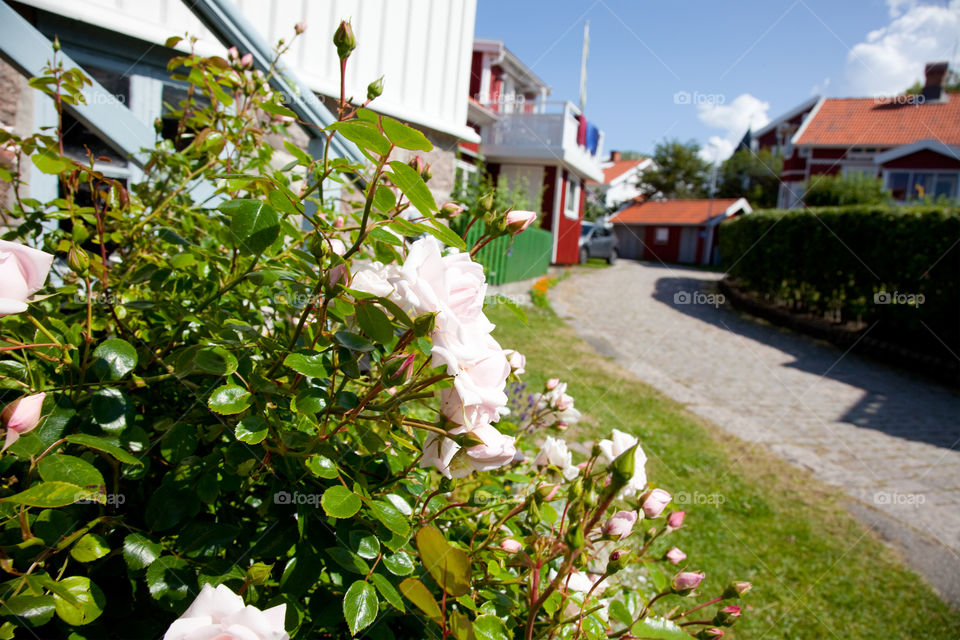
pixel 90 547
pixel 399 564
pixel 658 628
pixel 349 560
pixel 54 494
pixel 384 199
pixel 277 110
pixel 51 163
pixel 322 467
pixel 71 470
pixel 390 517
pixel 254 224
pixel 115 358
pixel 88 601
pixel 252 430
pixel 447 565
pixel 417 593
pixel 619 612
pixel 490 627
pixel 363 134
pixel 297 153
pixel 179 442
pixel 310 401
pixel 360 606
pixel 35 610
pixel 374 323
pixel 139 551
pixel 110 408
pixel 403 136
pixel 413 187
pixel 365 544
pixel 170 579
pixel 444 235
pixel 353 342
pixel 388 591
pixel 310 365
pixel 101 444
pixel 215 361
pixel 340 502
pixel 229 399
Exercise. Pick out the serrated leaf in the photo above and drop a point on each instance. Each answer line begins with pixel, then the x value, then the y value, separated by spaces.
pixel 363 134
pixel 54 494
pixel 390 517
pixel 490 627
pixel 388 591
pixel 254 224
pixel 384 199
pixel 360 606
pixel 310 365
pixel 115 358
pixel 447 565
pixel 399 564
pixel 310 401
pixel 229 399
pixel 277 110
pixel 216 361
pixel 444 235
pixel 139 551
pixel 69 469
pixel 252 430
pixel 88 601
pixel 413 187
pixel 101 444
pixel 374 322
pixel 349 560
pixel 417 593
pixel 89 547
pixel 619 612
pixel 170 579
pixel 353 342
pixel 322 467
pixel 659 629
pixel 340 502
pixel 403 136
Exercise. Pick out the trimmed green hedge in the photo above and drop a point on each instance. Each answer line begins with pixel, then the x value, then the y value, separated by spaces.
pixel 833 261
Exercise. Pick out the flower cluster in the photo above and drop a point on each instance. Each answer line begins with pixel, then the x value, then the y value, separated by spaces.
pixel 555 405
pixel 453 287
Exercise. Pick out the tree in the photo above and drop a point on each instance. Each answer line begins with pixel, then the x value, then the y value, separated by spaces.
pixel 754 176
pixel 678 171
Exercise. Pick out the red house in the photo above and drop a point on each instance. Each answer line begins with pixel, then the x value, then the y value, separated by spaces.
pixel 910 141
pixel 682 231
pixel 548 148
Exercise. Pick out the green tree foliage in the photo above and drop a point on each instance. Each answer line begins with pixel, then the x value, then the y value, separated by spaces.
pixel 678 172
pixel 754 176
pixel 840 191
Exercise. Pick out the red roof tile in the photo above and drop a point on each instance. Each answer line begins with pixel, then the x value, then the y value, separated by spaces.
pixel 673 211
pixel 874 122
pixel 619 168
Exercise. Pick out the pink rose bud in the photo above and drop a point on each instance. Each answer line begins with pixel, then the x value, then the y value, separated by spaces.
pixel 337 246
pixel 736 589
pixel 727 615
pixel 300 27
pixel 397 370
pixel 675 556
pixel 511 546
pixel 232 53
pixel 23 271
pixel 552 383
pixel 20 416
pixel 620 524
pixel 246 60
pixel 344 40
pixel 335 275
pixel 675 521
pixel 688 580
pixel 518 221
pixel 710 634
pixel 339 222
pixel 655 502
pixel 450 210
pixel 516 360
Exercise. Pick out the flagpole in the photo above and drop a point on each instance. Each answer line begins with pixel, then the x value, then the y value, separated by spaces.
pixel 583 67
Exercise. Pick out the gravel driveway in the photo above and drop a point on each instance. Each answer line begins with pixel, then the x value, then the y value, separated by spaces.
pixel 888 439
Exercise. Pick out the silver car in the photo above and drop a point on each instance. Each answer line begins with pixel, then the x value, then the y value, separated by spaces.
pixel 597 241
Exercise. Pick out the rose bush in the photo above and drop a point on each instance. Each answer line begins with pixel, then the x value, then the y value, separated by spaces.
pixel 280 410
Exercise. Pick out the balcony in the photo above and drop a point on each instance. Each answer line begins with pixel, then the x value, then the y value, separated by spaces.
pixel 546 133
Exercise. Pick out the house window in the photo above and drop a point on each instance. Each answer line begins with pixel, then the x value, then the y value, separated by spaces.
pixel 661 235
pixel 571 206
pixel 897 183
pixel 915 185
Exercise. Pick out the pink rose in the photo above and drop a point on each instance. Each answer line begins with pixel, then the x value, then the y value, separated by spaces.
pixel 517 361
pixel 511 546
pixel 655 502
pixel 21 416
pixel 455 462
pixel 620 524
pixel 687 580
pixel 23 270
pixel 220 613
pixel 675 521
pixel 518 221
pixel 337 246
pixel 675 556
pixel 552 383
pixel 246 60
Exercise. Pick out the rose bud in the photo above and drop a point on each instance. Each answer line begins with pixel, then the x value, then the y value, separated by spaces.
pixel 727 615
pixel 486 202
pixel 620 524
pixel 397 370
pixel 518 221
pixel 623 467
pixel 21 416
pixel 548 492
pixel 516 360
pixel 233 54
pixel 711 633
pixel 337 246
pixel 417 164
pixel 344 40
pixel 736 589
pixel 687 581
pixel 427 172
pixel 511 546
pixel 246 60
pixel 618 560
pixel 300 27
pixel 23 270
pixel 375 88
pixel 675 521
pixel 552 383
pixel 655 502
pixel 450 210
pixel 675 556
pixel 339 222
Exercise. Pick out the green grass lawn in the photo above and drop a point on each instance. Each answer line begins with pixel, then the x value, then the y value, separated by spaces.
pixel 817 573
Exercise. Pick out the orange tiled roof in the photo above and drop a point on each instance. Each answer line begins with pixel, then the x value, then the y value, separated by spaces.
pixel 619 168
pixel 673 211
pixel 878 122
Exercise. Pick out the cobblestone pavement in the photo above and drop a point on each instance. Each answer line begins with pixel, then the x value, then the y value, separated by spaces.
pixel 889 439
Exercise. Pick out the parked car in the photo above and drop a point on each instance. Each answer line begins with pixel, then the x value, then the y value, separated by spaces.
pixel 597 241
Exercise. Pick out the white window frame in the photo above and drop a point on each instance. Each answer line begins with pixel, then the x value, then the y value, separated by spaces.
pixel 572 214
pixel 661 235
pixel 911 173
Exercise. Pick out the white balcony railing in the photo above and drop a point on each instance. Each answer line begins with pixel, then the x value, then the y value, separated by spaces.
pixel 549 133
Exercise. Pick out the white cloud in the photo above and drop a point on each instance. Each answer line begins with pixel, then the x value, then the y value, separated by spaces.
pixel 892 58
pixel 734 118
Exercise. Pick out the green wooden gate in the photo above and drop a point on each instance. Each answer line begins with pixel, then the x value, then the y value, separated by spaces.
pixel 513 258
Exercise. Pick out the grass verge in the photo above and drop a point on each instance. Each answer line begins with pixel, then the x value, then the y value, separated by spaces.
pixel 817 572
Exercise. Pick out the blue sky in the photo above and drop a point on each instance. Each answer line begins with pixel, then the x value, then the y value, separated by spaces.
pixel 739 62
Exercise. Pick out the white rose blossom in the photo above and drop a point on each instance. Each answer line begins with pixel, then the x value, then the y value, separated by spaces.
pixel 554 453
pixel 219 613
pixel 611 449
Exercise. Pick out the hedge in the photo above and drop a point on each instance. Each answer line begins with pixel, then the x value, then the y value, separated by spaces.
pixel 867 264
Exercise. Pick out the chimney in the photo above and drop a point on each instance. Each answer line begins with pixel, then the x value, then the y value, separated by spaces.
pixel 615 156
pixel 934 73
